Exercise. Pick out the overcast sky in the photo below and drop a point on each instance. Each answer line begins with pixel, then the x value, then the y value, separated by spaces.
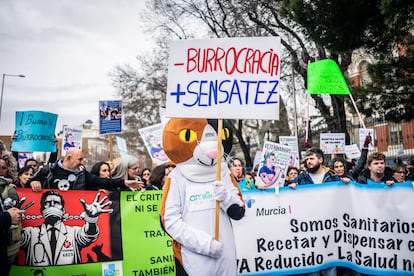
pixel 66 50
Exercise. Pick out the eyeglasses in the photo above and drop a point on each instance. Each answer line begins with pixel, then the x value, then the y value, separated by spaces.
pixel 134 168
pixel 294 172
pixel 403 172
pixel 146 174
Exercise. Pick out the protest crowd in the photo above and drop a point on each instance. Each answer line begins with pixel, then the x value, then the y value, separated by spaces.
pixel 69 173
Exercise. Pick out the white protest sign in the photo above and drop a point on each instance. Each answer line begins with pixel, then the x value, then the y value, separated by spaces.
pixel 273 165
pixel 234 78
pixel 332 143
pixel 292 142
pixel 122 145
pixel 73 139
pixel 363 134
pixel 352 151
pixel 152 136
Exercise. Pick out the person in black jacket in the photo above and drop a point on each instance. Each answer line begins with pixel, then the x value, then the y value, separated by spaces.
pixel 7 218
pixel 156 180
pixel 339 166
pixel 70 174
pixel 376 171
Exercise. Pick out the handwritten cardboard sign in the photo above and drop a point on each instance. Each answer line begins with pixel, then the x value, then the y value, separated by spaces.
pixel 235 78
pixel 35 131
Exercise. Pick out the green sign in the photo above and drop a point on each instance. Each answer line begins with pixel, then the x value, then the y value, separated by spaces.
pixel 146 248
pixel 325 77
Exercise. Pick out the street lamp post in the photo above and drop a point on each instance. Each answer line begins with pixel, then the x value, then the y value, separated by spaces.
pixel 2 88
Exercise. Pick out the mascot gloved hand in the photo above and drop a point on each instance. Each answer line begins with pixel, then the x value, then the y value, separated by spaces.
pixel 229 199
pixel 188 205
pixel 216 249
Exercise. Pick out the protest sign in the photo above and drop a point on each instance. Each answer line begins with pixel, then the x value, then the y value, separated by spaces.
pixel 368 228
pixel 232 78
pixel 35 131
pixel 273 165
pixel 292 142
pixel 73 139
pixel 332 143
pixel 122 145
pixel 110 117
pixel 22 157
pixel 352 151
pixel 325 77
pixel 152 137
pixel 129 240
pixel 363 134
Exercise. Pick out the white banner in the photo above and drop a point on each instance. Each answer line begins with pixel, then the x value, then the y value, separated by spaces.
pixel 368 228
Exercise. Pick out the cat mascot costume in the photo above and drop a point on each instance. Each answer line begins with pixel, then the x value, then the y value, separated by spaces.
pixel 189 199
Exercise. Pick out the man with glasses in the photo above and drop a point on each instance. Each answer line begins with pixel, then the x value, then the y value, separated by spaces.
pixel 70 174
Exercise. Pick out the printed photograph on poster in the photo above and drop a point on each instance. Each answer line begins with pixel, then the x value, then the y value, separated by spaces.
pixel 152 137
pixel 110 110
pixel 332 143
pixel 273 165
pixel 71 227
pixel 72 139
pixel 22 157
pixel 292 142
pixel 366 134
pixel 110 117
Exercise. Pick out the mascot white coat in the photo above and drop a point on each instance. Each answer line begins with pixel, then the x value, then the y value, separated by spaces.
pixel 189 199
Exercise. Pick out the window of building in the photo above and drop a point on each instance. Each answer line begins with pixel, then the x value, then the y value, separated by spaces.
pixel 396 137
pixel 363 72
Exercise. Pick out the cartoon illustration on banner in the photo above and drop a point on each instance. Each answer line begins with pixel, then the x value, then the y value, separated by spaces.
pixel 273 165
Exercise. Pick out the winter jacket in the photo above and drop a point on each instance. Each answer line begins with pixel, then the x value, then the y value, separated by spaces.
pixel 304 178
pixel 365 175
pixel 57 177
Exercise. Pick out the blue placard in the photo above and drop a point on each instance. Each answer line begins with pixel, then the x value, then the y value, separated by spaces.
pixel 110 117
pixel 35 131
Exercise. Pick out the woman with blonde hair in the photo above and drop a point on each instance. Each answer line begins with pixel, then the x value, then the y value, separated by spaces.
pixel 128 169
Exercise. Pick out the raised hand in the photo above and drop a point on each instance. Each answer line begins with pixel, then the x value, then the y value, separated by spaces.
pixel 96 208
